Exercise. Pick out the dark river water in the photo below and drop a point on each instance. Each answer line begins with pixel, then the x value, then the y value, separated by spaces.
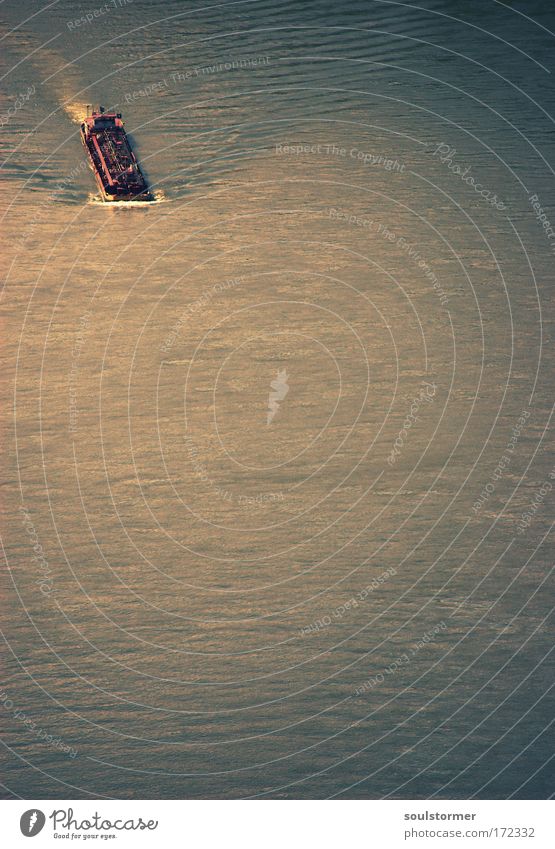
pixel 278 497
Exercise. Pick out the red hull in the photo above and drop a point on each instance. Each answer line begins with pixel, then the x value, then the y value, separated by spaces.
pixel 112 160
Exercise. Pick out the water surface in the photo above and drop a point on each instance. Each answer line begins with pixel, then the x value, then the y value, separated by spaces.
pixel 341 598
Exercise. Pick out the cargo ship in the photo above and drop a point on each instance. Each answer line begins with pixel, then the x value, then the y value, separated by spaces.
pixel 111 158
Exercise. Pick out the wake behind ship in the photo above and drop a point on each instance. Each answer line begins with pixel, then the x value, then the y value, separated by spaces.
pixel 111 158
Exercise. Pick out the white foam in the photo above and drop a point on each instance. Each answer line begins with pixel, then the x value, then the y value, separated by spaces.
pixel 96 200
